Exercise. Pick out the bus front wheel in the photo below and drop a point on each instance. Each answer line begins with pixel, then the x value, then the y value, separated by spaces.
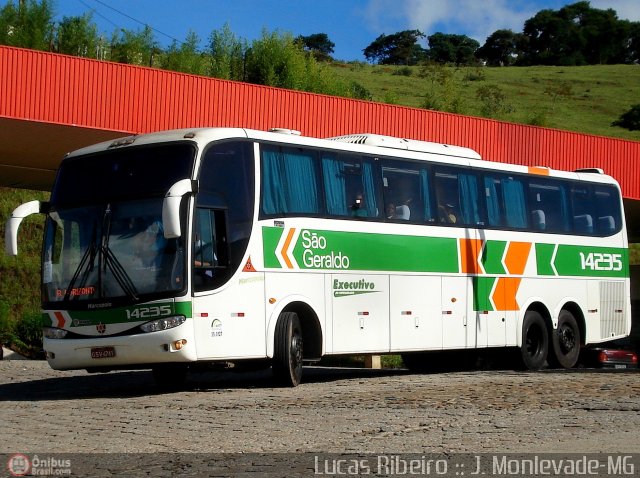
pixel 535 341
pixel 566 341
pixel 288 351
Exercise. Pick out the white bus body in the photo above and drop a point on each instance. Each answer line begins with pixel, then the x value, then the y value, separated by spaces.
pixel 223 245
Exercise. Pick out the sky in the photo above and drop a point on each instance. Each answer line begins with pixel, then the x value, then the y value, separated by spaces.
pixel 351 24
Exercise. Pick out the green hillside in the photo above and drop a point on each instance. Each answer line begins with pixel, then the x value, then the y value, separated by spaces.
pixel 586 99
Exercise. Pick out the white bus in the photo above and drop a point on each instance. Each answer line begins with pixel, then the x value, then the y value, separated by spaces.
pixel 229 245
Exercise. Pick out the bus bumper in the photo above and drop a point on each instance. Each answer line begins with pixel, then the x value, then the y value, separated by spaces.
pixel 174 345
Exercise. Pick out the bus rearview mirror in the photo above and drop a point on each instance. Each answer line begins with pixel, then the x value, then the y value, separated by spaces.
pixel 13 224
pixel 171 207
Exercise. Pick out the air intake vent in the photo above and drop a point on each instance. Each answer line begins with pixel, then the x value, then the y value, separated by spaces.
pixel 613 316
pixel 407 145
pixel 294 132
pixel 589 170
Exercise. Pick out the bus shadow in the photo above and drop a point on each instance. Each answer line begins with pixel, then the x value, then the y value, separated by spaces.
pixel 140 383
pixel 110 385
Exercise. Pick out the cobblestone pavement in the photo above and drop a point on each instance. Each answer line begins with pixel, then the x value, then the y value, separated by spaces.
pixel 334 410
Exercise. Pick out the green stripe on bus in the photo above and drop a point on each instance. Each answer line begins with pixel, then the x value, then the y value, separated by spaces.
pixel 317 249
pixel 134 313
pixel 544 254
pixel 582 261
pixel 270 238
pixel 492 257
pixel 482 287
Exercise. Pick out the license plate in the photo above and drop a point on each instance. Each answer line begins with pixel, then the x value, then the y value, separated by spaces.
pixel 620 366
pixel 103 352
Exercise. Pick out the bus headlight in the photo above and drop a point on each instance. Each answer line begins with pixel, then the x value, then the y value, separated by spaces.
pixel 163 324
pixel 54 333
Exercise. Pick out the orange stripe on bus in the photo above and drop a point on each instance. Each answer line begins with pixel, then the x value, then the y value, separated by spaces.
pixel 469 255
pixel 60 318
pixel 539 170
pixel 285 248
pixel 504 294
pixel 516 258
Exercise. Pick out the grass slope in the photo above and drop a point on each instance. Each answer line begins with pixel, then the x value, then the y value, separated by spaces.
pixel 586 99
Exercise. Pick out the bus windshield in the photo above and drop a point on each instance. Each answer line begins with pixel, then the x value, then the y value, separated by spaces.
pixel 104 239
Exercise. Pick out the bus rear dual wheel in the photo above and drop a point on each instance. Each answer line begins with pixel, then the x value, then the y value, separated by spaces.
pixel 561 347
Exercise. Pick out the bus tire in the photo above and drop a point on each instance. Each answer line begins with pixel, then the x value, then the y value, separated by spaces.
pixel 566 341
pixel 170 376
pixel 535 341
pixel 288 350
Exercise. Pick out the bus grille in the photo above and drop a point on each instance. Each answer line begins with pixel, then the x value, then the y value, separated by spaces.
pixel 613 317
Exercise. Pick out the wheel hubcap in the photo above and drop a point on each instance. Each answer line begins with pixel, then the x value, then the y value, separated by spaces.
pixel 567 339
pixel 534 342
pixel 296 350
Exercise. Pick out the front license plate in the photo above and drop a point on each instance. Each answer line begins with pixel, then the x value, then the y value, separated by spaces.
pixel 103 352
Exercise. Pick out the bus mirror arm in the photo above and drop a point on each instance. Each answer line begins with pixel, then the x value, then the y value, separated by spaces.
pixel 13 224
pixel 171 206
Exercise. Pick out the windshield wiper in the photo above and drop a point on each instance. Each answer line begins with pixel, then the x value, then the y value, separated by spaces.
pixel 111 261
pixel 88 256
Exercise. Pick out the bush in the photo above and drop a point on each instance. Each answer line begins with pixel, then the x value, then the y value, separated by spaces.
pixel 493 100
pixel 23 336
pixel 630 119
pixel 6 326
pixel 359 92
pixel 475 74
pixel 403 71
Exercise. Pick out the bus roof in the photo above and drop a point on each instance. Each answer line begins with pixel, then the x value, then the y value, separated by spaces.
pixel 364 142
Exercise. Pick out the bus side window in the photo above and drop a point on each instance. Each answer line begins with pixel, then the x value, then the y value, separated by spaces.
pixel 549 206
pixel 210 248
pixel 349 186
pixel 458 197
pixel 406 191
pixel 607 211
pixel 582 209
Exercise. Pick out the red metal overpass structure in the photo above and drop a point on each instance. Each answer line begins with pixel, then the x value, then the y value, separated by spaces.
pixel 51 104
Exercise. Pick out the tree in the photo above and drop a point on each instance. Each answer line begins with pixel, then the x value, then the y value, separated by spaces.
pixel 186 57
pixel 275 60
pixel 317 44
pixel 134 48
pixel 502 48
pixel 397 49
pixel 448 48
pixel 633 52
pixel 77 36
pixel 28 25
pixel 227 54
pixel 577 34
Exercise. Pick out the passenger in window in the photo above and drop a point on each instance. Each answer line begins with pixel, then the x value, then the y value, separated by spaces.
pixel 447 214
pixel 357 207
pixel 391 211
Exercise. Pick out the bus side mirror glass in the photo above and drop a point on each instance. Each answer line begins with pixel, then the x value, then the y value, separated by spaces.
pixel 13 224
pixel 171 207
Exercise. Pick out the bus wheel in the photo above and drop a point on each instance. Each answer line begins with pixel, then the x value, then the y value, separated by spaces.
pixel 566 340
pixel 287 354
pixel 535 341
pixel 170 376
